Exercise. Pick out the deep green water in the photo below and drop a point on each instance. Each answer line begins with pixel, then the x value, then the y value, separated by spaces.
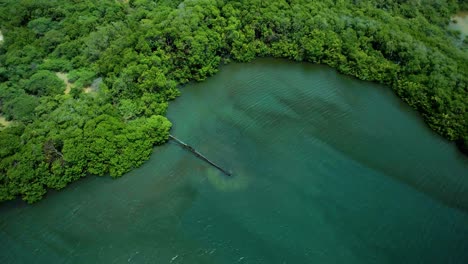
pixel 328 169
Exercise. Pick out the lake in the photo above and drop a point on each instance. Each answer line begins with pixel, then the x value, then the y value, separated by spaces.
pixel 326 169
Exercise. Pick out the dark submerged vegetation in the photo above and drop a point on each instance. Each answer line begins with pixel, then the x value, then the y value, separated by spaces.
pixel 131 56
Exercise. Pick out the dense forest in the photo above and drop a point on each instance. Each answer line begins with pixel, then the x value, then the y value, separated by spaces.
pixel 85 84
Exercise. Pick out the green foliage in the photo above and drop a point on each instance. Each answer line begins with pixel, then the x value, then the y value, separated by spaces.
pixel 133 54
pixel 81 77
pixel 20 108
pixel 42 25
pixel 44 83
pixel 56 65
pixel 129 109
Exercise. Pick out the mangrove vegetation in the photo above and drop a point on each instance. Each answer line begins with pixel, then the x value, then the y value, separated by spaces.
pixel 122 62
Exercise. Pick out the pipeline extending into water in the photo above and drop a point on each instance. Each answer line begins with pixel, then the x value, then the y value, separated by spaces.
pixel 199 155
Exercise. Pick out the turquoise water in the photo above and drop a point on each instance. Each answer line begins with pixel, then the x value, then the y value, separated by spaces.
pixel 327 169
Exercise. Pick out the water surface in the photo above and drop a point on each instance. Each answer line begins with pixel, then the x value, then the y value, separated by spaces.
pixel 460 22
pixel 327 169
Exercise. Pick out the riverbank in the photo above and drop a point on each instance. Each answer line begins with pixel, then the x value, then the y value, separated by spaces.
pixel 139 53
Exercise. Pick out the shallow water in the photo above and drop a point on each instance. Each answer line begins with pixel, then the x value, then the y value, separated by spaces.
pixel 460 22
pixel 327 169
